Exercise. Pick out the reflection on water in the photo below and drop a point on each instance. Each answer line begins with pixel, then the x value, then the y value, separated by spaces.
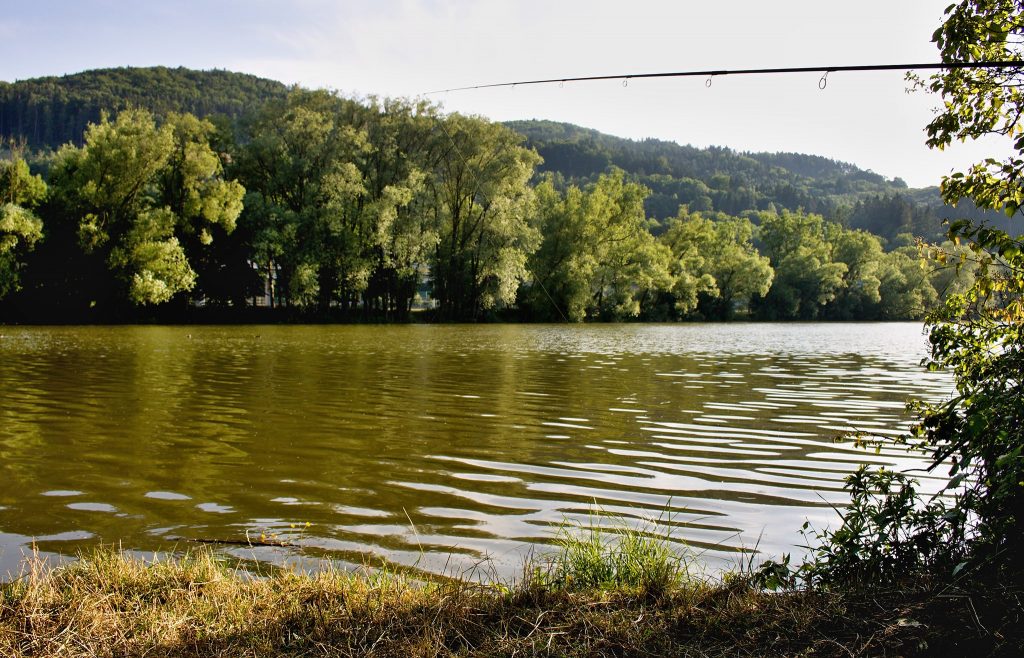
pixel 434 446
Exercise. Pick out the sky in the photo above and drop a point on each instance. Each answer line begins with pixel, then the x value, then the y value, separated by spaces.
pixel 412 47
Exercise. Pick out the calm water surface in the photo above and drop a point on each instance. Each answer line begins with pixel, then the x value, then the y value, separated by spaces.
pixel 435 446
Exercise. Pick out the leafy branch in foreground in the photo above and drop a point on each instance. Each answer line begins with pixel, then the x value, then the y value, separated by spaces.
pixel 978 335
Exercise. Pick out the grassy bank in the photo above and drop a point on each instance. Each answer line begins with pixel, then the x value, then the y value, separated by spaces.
pixel 110 604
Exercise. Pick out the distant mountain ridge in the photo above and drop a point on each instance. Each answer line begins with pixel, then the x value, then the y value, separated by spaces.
pixel 812 166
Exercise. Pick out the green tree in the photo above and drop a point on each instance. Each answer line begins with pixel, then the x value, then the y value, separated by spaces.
pixel 20 228
pixel 981 101
pixel 690 237
pixel 482 206
pixel 598 258
pixel 979 334
pixel 632 266
pixel 858 296
pixel 905 286
pixel 563 266
pixel 806 276
pixel 716 266
pixel 193 187
pixel 404 150
pixel 741 273
pixel 952 268
pixel 300 165
pixel 339 212
pixel 136 191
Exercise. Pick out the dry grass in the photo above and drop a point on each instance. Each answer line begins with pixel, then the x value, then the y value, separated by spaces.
pixel 110 604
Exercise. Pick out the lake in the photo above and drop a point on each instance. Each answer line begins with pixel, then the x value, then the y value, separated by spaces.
pixel 440 447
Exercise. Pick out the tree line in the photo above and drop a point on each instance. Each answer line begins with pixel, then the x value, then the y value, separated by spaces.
pixel 326 207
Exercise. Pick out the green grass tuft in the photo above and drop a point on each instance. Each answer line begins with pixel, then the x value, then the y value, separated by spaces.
pixel 609 553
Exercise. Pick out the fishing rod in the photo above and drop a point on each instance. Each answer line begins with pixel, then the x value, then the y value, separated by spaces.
pixel 711 73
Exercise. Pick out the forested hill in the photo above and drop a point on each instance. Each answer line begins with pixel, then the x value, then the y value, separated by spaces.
pixel 51 111
pixel 729 181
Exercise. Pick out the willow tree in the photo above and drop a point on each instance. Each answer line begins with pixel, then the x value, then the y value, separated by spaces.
pixel 715 264
pixel 806 276
pixel 858 296
pixel 20 228
pixel 632 266
pixel 194 188
pixel 562 267
pixel 404 151
pixel 301 219
pixel 330 212
pixel 597 258
pixel 482 205
pixel 138 192
pixel 905 285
